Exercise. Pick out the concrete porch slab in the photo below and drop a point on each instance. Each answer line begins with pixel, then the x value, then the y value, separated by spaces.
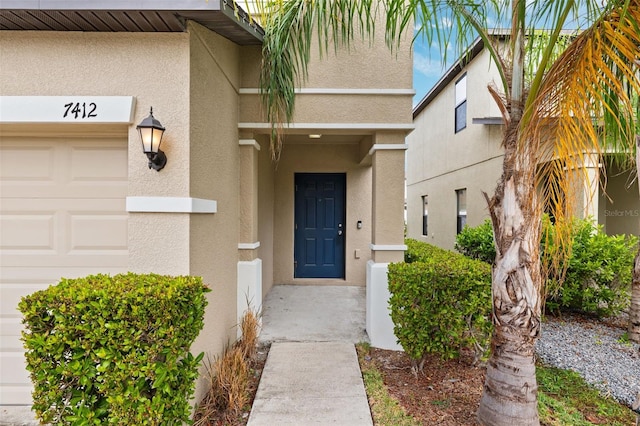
pixel 299 313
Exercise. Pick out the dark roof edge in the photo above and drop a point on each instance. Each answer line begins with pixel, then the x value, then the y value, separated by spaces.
pixel 171 5
pixel 203 12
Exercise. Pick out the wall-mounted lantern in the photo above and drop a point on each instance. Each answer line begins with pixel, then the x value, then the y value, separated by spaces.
pixel 151 132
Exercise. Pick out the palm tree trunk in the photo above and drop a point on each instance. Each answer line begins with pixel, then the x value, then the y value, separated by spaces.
pixel 510 389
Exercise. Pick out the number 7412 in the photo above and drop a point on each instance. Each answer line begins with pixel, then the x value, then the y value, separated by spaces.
pixel 80 110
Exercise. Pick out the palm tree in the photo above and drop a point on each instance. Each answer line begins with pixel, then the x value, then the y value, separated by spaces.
pixel 550 115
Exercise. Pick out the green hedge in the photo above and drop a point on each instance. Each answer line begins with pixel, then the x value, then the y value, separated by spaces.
pixel 598 271
pixel 440 302
pixel 418 251
pixel 598 278
pixel 477 242
pixel 114 350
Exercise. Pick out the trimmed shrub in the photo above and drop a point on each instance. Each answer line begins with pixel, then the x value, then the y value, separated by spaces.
pixel 596 277
pixel 114 350
pixel 417 251
pixel 598 273
pixel 440 303
pixel 477 242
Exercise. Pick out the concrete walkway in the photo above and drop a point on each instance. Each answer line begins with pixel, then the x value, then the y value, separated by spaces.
pixel 311 383
pixel 312 374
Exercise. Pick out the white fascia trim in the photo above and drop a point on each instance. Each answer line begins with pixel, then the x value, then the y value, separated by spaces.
pixel 249 142
pixel 249 246
pixel 332 126
pixel 171 205
pixel 67 109
pixel 338 91
pixel 388 247
pixel 387 146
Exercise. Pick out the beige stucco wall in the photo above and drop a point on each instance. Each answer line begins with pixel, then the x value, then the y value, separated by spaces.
pixel 191 79
pixel 440 161
pixel 214 78
pixel 150 67
pixel 364 67
pixel 619 202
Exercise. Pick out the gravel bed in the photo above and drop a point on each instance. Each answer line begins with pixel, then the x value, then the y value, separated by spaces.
pixel 595 350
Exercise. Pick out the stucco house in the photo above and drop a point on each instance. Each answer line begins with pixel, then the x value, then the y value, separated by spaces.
pixel 77 196
pixel 455 155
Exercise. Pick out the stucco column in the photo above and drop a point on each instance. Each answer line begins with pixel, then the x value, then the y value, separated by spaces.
pixel 387 234
pixel 584 184
pixel 249 265
pixel 591 199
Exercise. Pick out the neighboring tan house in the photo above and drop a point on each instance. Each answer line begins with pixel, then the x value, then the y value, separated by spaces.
pixel 455 155
pixel 77 197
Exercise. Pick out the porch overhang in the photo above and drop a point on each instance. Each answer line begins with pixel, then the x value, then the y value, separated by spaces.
pixel 224 17
pixel 490 121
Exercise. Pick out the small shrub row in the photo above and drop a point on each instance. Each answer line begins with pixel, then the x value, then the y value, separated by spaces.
pixel 597 274
pixel 598 277
pixel 440 302
pixel 114 349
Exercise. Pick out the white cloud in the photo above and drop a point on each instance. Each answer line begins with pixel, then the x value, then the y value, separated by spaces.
pixel 428 66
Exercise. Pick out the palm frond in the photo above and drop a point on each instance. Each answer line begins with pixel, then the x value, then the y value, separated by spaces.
pixel 592 80
pixel 289 28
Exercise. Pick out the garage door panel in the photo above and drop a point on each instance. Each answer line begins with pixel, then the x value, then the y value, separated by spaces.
pixel 98 232
pixel 24 163
pixel 11 332
pixel 98 260
pixel 27 231
pixel 11 295
pixel 14 375
pixel 39 205
pixel 62 214
pixel 15 394
pixel 74 190
pixel 89 164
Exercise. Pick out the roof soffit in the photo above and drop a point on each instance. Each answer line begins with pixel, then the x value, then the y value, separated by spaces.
pixel 222 16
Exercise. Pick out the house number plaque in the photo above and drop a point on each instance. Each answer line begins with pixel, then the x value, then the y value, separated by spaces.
pixel 67 109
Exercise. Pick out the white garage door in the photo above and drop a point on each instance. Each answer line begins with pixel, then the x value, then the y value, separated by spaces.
pixel 62 214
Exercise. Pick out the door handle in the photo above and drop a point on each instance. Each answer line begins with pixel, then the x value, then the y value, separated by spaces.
pixel 339 229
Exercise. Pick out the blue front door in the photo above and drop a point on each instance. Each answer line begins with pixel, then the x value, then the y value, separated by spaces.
pixel 319 225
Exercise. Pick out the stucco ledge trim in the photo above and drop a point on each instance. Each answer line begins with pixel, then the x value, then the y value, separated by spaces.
pixel 388 147
pixel 171 205
pixel 388 247
pixel 249 142
pixel 248 246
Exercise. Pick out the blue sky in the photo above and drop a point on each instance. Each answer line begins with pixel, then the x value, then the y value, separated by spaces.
pixel 428 67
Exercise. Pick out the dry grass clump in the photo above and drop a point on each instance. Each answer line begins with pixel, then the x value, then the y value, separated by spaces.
pixel 250 327
pixel 229 375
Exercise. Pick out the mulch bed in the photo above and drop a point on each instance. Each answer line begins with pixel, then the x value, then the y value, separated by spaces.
pixel 446 392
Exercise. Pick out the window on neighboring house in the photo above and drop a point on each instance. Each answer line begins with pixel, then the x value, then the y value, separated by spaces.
pixel 425 229
pixel 461 103
pixel 461 199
